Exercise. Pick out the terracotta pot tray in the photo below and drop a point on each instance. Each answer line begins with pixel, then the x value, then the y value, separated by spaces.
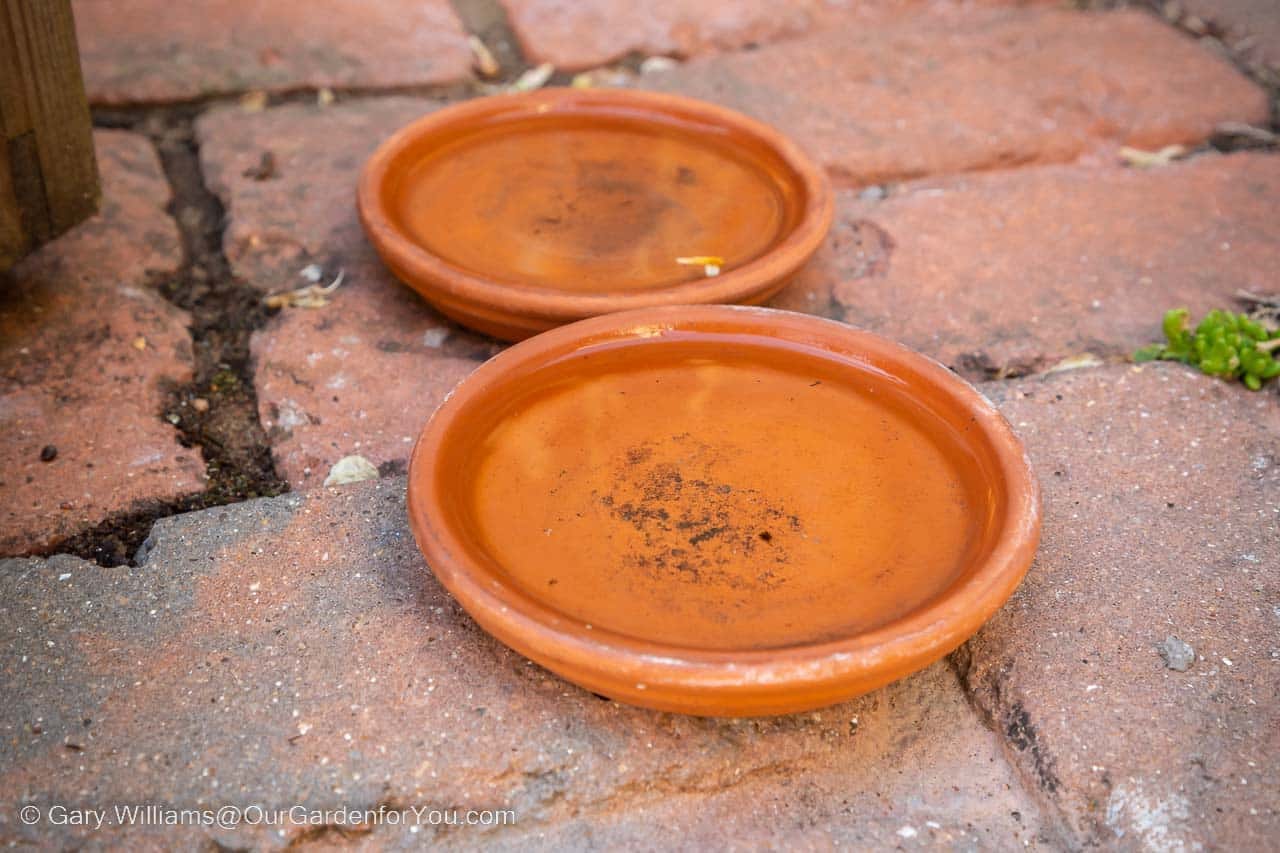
pixel 722 510
pixel 517 213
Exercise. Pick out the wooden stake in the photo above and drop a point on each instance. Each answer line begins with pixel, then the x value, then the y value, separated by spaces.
pixel 48 176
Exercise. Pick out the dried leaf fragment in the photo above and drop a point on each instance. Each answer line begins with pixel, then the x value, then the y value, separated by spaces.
pixel 1140 159
pixel 534 78
pixel 1076 362
pixel 485 62
pixel 254 102
pixel 311 296
pixel 656 64
pixel 710 264
pixel 602 77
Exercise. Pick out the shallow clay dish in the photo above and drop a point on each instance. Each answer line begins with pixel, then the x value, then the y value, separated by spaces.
pixel 517 213
pixel 722 510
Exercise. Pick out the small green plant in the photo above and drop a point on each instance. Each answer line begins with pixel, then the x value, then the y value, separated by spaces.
pixel 1232 346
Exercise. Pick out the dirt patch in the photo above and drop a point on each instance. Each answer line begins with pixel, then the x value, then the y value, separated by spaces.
pixel 694 527
pixel 980 367
pixel 218 411
pixel 487 20
pixel 1018 732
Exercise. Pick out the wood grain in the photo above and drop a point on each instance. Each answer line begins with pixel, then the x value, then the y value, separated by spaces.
pixel 48 177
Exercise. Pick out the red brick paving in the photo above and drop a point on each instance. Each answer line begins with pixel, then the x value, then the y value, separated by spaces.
pixel 578 34
pixel 255 654
pixel 153 50
pixel 586 33
pixel 86 349
pixel 1161 517
pixel 360 375
pixel 305 211
pixel 995 90
pixel 1015 270
pixel 1084 259
pixel 1251 27
pixel 297 651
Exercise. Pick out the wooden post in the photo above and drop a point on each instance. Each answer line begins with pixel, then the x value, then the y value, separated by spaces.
pixel 48 177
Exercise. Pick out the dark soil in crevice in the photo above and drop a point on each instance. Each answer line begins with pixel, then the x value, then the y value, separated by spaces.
pixel 979 367
pixel 132 116
pixel 218 411
pixel 487 20
pixel 1019 743
pixel 115 541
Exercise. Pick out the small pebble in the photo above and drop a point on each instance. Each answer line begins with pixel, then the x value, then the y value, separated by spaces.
pixel 1177 654
pixel 351 469
pixel 48 453
pixel 655 64
pixel 200 404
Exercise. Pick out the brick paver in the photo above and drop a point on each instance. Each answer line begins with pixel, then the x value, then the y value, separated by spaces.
pixel 86 350
pixel 1251 27
pixel 1015 270
pixel 256 656
pixel 578 34
pixel 993 274
pixel 296 650
pixel 1161 518
pixel 360 375
pixel 932 95
pixel 153 50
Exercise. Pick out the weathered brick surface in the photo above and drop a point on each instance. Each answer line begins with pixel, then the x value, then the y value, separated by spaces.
pixel 296 650
pixel 1161 517
pixel 991 273
pixel 86 349
pixel 361 375
pixel 152 50
pixel 1016 270
pixel 1251 27
pixel 586 33
pixel 932 95
pixel 577 34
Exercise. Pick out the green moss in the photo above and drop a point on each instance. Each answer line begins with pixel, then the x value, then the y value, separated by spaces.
pixel 224 381
pixel 1229 345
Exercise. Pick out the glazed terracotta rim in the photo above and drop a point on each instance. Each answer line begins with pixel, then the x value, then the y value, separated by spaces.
pixel 874 657
pixel 435 274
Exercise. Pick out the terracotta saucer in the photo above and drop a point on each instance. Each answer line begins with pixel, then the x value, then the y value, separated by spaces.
pixel 721 510
pixel 517 213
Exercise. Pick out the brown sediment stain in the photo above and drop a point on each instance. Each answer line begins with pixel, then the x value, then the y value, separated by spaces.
pixel 621 211
pixel 695 528
pixel 868 245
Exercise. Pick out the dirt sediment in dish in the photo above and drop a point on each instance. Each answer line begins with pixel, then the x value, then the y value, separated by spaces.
pixel 592 205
